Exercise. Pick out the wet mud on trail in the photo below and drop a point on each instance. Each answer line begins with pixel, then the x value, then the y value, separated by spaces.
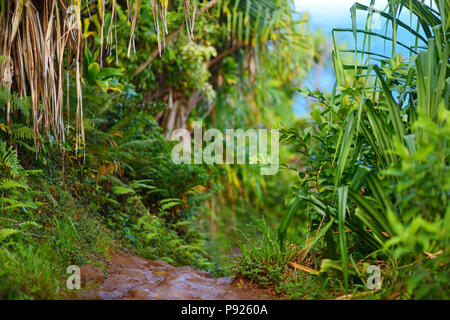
pixel 134 278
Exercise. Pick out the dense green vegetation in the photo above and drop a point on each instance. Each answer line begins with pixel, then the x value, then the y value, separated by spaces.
pixel 85 158
pixel 375 179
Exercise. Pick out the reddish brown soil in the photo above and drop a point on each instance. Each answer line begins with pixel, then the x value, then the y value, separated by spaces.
pixel 131 277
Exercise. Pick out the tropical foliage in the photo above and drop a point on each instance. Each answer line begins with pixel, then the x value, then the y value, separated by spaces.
pixel 377 157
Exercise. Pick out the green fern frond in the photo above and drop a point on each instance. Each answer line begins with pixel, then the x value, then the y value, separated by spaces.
pixel 21 103
pixel 170 203
pixel 8 184
pixel 7 204
pixel 118 190
pixel 22 133
pixel 5 233
pixel 8 158
pixel 142 184
pixel 137 143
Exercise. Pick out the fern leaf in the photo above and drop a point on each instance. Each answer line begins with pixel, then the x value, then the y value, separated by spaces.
pixel 8 184
pixel 5 233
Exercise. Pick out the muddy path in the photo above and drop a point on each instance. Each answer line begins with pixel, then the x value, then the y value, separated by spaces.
pixel 133 278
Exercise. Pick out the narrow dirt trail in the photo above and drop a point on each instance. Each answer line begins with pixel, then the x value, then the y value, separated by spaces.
pixel 134 278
